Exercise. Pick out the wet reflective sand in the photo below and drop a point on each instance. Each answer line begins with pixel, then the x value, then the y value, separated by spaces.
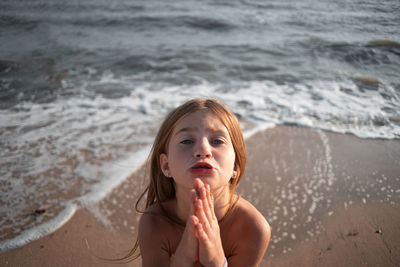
pixel 303 179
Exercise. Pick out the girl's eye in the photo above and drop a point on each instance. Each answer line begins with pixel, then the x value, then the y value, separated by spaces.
pixel 187 142
pixel 217 142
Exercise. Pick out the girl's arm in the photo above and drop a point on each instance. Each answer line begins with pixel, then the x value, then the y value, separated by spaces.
pixel 151 242
pixel 253 234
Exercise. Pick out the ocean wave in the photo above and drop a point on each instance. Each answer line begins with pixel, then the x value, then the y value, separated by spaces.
pixel 357 54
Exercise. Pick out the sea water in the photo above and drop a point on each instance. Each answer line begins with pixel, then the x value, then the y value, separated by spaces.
pixel 85 84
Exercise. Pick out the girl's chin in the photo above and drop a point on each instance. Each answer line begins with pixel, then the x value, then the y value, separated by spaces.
pixel 205 177
pixel 212 182
pixel 202 172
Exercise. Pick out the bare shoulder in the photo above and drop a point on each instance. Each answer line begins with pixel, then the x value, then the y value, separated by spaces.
pixel 152 239
pixel 252 235
pixel 255 222
pixel 151 219
pixel 153 223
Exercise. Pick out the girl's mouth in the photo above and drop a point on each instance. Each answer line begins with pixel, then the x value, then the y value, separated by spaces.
pixel 202 168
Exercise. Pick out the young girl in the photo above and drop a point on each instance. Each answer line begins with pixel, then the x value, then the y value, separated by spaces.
pixel 193 217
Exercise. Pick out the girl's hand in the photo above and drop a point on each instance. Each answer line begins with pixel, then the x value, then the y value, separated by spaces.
pixel 211 252
pixel 187 251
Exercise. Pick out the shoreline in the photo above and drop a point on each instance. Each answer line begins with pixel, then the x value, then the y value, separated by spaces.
pixel 285 163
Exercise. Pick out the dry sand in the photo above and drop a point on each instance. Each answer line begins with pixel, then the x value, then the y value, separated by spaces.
pixel 331 200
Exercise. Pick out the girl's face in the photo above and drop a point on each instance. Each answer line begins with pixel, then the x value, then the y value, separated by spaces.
pixel 200 146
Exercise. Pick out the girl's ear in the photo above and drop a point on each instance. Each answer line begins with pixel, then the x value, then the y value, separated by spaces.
pixel 164 165
pixel 234 173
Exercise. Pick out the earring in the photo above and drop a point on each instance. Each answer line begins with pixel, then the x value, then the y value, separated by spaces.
pixel 234 174
pixel 167 174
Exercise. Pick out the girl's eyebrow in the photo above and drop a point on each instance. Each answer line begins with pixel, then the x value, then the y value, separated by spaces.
pixel 194 129
pixel 186 129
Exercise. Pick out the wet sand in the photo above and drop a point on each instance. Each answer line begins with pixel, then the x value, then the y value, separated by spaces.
pixel 331 200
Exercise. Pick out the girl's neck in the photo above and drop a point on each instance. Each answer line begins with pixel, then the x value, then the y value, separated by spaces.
pixel 221 203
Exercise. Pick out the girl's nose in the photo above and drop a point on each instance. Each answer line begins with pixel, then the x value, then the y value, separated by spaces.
pixel 203 150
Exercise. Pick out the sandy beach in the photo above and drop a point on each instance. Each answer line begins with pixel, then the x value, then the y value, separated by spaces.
pixel 331 200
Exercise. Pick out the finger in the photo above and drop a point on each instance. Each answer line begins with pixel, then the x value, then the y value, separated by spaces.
pixel 201 234
pixel 193 196
pixel 202 194
pixel 189 244
pixel 192 234
pixel 201 215
pixel 206 203
pixel 198 184
pixel 191 229
pixel 210 201
pixel 194 221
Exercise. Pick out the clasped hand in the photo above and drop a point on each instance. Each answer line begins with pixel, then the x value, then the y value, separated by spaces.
pixel 201 240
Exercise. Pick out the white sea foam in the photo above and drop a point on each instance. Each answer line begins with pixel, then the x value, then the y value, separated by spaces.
pixel 116 173
pixel 94 131
pixel 259 128
pixel 40 230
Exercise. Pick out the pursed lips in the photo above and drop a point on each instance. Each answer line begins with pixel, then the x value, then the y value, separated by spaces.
pixel 202 168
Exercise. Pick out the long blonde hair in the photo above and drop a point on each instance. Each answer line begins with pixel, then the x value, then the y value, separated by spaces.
pixel 160 188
